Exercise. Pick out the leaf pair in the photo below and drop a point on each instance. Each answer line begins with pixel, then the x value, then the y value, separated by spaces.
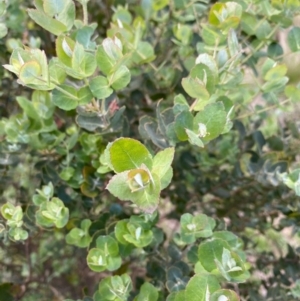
pixel 14 216
pixel 30 65
pixel 207 124
pixel 105 256
pixel 133 231
pixel 140 177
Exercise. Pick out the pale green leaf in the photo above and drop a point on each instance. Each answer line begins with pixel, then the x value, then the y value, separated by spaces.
pixel 84 95
pixel 3 30
pixel 166 179
pixel 224 295
pixel 162 161
pixel 28 107
pixel 195 88
pixel 213 117
pixel 293 39
pixel 194 138
pixel 118 186
pixel 120 78
pixel 104 62
pixel 100 87
pixel 30 71
pixel 52 25
pixel 54 7
pixel 57 74
pixel 200 287
pixel 127 153
pixel 68 14
pixel 211 251
pixel 64 47
pixel 83 63
pixel 65 97
pixel 144 53
pixel 147 293
pixel 148 199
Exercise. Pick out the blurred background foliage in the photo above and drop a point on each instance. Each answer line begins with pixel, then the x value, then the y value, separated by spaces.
pixel 234 179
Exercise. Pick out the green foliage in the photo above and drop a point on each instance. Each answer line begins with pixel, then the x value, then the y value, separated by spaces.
pixel 116 288
pixel 139 177
pixel 148 151
pixel 105 256
pixel 14 217
pixel 80 236
pixel 193 227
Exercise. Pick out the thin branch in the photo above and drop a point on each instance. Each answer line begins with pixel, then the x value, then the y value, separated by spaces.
pixel 264 110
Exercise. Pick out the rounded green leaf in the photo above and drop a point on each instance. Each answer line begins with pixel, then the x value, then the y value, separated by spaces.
pixel 100 87
pixel 80 236
pixel 144 53
pixel 205 74
pixel 108 244
pixel 249 23
pixel 147 293
pixel 234 242
pixel 211 251
pixel 275 50
pixel 275 73
pixel 195 87
pixel 52 213
pixel 193 227
pixel 293 39
pixel 114 288
pixel 183 121
pixel 68 14
pixel 57 74
pixel 201 286
pixel 84 95
pixel 148 198
pixel 162 161
pixel 65 97
pixel 104 62
pixel 28 107
pixel 3 30
pixel 263 30
pixel 30 71
pixel 54 26
pixel 64 47
pixel 18 234
pixel 138 236
pixel 53 7
pixel 127 153
pixel 105 256
pixel 8 210
pixel 113 48
pixel 83 63
pixel 224 295
pixel 275 85
pixel 67 173
pixel 194 138
pixel 119 187
pixel 214 12
pixel 209 61
pixel 121 230
pixel 96 260
pixel 120 78
pixel 210 122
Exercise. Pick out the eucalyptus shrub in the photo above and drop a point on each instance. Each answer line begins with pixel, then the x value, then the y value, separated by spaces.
pixel 144 140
